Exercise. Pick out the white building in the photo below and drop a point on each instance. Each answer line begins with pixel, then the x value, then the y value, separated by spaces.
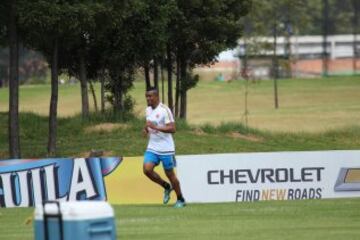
pixel 338 46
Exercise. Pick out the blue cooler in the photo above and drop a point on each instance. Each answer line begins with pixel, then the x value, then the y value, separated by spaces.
pixel 82 220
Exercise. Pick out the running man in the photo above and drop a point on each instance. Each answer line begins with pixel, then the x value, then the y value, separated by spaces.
pixel 159 127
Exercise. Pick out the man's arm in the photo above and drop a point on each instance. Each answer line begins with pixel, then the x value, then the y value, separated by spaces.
pixel 168 128
pixel 145 131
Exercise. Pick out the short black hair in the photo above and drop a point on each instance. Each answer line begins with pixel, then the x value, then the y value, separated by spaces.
pixel 152 89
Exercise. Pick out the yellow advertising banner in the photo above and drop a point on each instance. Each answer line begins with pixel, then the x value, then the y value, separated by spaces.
pixel 128 185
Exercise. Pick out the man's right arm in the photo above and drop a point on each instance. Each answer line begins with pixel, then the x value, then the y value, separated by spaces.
pixel 145 129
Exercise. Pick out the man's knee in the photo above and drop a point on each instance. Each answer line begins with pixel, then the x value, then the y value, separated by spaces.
pixel 147 170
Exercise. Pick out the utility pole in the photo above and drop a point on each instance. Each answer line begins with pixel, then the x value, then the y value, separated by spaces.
pixel 275 63
pixel 245 71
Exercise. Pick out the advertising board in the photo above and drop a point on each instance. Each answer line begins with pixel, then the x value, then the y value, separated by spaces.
pixel 270 176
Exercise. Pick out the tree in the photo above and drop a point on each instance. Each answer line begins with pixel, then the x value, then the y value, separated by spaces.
pixel 135 37
pixel 96 46
pixel 119 57
pixel 81 35
pixel 44 25
pixel 286 17
pixel 199 34
pixel 151 20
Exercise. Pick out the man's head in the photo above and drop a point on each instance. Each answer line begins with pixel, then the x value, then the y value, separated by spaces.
pixel 152 97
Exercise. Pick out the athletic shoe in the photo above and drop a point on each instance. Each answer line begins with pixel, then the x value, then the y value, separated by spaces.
pixel 166 197
pixel 179 204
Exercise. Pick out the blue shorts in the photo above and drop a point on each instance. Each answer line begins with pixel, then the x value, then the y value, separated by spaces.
pixel 168 161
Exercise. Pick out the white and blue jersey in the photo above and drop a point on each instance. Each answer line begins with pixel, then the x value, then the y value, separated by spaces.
pixel 159 142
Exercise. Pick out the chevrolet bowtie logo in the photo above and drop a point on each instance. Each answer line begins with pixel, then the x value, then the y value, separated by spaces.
pixel 348 180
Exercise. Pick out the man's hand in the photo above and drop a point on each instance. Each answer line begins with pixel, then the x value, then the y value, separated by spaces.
pixel 145 131
pixel 151 125
pixel 168 128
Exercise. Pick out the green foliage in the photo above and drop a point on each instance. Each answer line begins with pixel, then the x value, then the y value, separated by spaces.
pixel 303 17
pixel 202 29
pixel 150 25
pixel 4 15
pixel 189 81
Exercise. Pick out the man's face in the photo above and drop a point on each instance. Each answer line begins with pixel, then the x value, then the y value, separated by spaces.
pixel 152 98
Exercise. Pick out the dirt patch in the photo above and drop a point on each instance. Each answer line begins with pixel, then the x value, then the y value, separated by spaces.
pixel 199 132
pixel 250 137
pixel 106 127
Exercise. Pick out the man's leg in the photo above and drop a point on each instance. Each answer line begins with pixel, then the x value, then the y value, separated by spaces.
pixel 150 173
pixel 176 186
pixel 150 161
pixel 148 169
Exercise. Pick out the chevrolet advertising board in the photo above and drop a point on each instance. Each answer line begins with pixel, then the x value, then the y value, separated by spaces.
pixel 269 176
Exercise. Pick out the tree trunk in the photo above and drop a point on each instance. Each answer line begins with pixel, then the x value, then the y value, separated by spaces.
pixel 147 76
pixel 102 91
pixel 118 94
pixel 84 89
pixel 183 91
pixel 183 105
pixel 170 87
pixel 162 82
pixel 177 87
pixel 118 104
pixel 14 139
pixel 53 100
pixel 156 74
pixel 94 96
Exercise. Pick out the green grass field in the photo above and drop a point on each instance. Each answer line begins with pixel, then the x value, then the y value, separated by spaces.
pixel 273 220
pixel 311 105
pixel 307 108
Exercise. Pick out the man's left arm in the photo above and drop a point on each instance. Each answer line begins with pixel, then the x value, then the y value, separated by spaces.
pixel 168 128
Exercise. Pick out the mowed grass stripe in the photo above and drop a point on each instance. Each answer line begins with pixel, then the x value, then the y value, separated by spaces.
pixel 272 220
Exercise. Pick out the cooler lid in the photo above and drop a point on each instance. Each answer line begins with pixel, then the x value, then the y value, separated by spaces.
pixel 79 210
